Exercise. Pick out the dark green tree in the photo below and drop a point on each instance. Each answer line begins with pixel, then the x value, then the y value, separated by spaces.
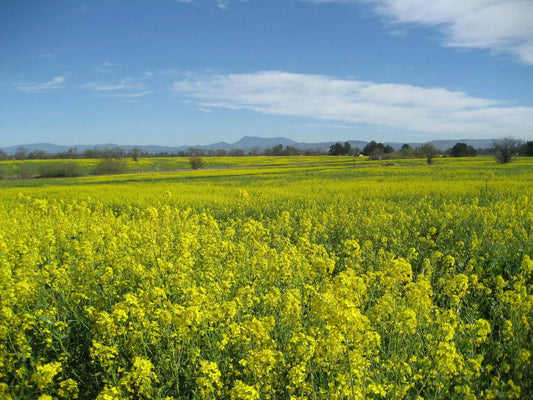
pixel 527 148
pixel 369 148
pixel 290 151
pixel 374 150
pixel 336 149
pixel 459 150
pixel 347 148
pixel 462 150
pixel 277 150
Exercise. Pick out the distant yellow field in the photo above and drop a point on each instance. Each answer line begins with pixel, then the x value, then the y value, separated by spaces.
pixel 281 279
pixel 87 166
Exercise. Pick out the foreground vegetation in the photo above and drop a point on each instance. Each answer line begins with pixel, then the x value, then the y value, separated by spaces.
pixel 345 280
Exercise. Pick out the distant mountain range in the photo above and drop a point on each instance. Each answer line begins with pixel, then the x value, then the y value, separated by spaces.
pixel 247 143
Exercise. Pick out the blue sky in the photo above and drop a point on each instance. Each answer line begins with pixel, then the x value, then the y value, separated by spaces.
pixel 172 72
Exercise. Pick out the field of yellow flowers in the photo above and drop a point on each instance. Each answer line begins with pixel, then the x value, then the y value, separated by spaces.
pixel 12 168
pixel 347 280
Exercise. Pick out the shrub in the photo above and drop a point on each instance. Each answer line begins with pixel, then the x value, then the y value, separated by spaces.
pixel 110 167
pixel 25 171
pixel 196 162
pixel 60 170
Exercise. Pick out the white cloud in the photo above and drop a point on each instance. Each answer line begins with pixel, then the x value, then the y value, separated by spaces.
pixel 107 67
pixel 222 4
pixel 503 26
pixel 435 111
pixel 123 84
pixel 32 87
pixel 320 126
pixel 130 95
pixel 125 88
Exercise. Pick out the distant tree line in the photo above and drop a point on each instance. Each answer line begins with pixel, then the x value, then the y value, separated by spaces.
pixel 135 153
pixel 503 150
pixel 374 150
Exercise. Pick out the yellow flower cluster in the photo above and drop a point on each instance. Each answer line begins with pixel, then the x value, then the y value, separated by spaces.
pixel 313 286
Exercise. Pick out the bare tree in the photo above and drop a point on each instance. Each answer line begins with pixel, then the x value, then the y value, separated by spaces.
pixel 135 153
pixel 505 149
pixel 21 153
pixel 429 151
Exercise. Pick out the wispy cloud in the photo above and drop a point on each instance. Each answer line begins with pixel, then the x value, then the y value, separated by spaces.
pixel 34 87
pixel 124 84
pixel 321 126
pixel 45 55
pixel 224 4
pixel 107 67
pixel 125 88
pixel 502 26
pixel 436 111
pixel 129 95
